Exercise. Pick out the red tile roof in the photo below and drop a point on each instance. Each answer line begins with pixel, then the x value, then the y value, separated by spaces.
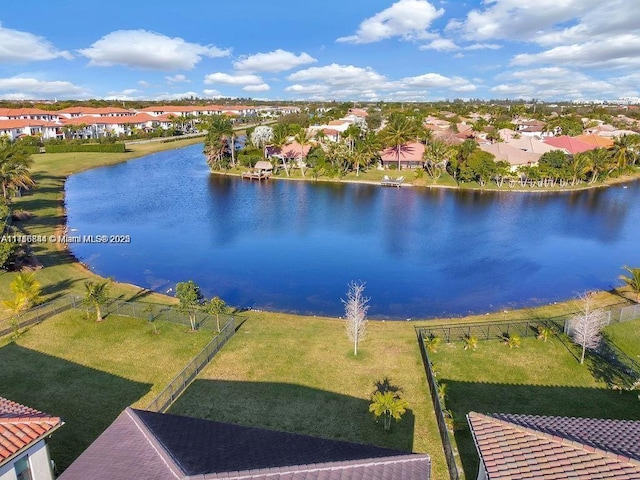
pixel 21 427
pixel 570 144
pixel 17 112
pixel 21 123
pixel 409 152
pixel 597 140
pixel 554 448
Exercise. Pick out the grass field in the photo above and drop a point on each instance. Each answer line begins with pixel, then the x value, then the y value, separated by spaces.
pixel 299 375
pixel 88 372
pixel 627 337
pixel 541 378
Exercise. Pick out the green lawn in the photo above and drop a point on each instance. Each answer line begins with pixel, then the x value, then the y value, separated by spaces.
pixel 88 372
pixel 541 378
pixel 299 374
pixel 626 336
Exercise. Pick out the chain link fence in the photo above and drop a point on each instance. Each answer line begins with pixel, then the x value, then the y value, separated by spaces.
pixel 180 383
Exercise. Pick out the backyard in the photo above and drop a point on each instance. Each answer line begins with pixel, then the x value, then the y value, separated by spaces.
pixel 299 375
pixel 539 378
pixel 87 372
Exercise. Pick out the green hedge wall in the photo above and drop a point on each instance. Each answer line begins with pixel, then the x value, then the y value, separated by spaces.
pixel 88 147
pixel 31 149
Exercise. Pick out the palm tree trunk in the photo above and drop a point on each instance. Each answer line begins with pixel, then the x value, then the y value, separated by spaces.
pixel 98 313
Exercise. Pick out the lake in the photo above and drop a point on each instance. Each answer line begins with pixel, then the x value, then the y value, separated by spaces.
pixel 294 246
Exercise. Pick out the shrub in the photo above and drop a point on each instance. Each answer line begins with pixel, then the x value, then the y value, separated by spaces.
pixel 470 342
pixel 88 147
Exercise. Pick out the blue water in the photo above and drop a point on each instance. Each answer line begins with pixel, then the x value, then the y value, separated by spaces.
pixel 294 246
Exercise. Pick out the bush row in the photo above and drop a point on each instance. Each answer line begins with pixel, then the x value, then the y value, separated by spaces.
pixel 88 147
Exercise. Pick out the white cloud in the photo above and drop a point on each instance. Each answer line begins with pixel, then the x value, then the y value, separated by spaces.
pixel 483 46
pixel 179 78
pixel 144 84
pixel 126 94
pixel 211 93
pixel 350 82
pixel 617 51
pixel 174 96
pixel 517 19
pixel 408 19
pixel 233 80
pixel 32 88
pixel 263 87
pixel 141 49
pixel 335 74
pixel 17 46
pixel 437 81
pixel 441 45
pixel 551 83
pixel 276 61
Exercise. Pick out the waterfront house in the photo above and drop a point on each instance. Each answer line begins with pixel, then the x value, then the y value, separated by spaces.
pixel 24 454
pixel 554 448
pixel 409 156
pixel 155 446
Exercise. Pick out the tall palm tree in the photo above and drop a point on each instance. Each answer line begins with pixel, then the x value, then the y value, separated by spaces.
pixel 579 166
pixel 633 280
pixel 625 150
pixel 601 163
pixel 96 296
pixel 302 137
pixel 14 169
pixel 220 137
pixel 436 156
pixel 389 406
pixel 398 132
pixel 279 140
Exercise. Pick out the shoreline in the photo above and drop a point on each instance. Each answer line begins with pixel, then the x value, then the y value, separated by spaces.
pixel 86 271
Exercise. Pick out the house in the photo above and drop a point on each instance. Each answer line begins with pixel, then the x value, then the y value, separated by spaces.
pixel 549 448
pixel 16 128
pixel 24 454
pixel 569 144
pixel 597 140
pixel 409 156
pixel 510 154
pixel 154 446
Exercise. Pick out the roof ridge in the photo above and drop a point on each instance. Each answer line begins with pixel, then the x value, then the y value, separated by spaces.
pixel 317 467
pixel 563 440
pixel 155 443
pixel 30 419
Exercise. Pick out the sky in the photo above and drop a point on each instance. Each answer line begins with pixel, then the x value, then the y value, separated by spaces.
pixel 343 50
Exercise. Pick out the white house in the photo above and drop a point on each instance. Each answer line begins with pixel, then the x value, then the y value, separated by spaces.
pixel 24 454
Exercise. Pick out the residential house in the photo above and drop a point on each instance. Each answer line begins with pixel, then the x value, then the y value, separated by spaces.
pixel 515 156
pixel 597 140
pixel 408 155
pixel 15 128
pixel 154 446
pixel 570 145
pixel 517 447
pixel 24 454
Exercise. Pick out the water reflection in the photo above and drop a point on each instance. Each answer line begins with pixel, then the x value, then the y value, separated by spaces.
pixel 294 246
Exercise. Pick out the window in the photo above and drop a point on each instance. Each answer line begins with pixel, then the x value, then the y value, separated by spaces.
pixel 23 470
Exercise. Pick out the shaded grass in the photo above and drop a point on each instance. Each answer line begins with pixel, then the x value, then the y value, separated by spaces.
pixel 540 378
pixel 299 375
pixel 88 372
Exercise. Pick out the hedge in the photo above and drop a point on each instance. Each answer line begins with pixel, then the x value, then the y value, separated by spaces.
pixel 30 149
pixel 88 147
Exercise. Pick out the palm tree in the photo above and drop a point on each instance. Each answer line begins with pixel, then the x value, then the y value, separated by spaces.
pixel 26 287
pixel 14 168
pixel 389 406
pixel 397 132
pixel 632 281
pixel 579 165
pixel 302 137
pixel 279 140
pixel 601 164
pixel 625 150
pixel 436 156
pixel 220 137
pixel 96 296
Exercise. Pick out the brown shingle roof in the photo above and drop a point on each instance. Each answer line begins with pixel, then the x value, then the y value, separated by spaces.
pixel 554 448
pixel 21 427
pixel 154 446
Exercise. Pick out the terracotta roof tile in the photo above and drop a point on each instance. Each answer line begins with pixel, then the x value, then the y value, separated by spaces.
pixel 22 426
pixel 511 446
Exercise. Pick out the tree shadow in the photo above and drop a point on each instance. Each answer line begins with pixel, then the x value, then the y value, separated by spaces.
pixel 58 289
pixel 464 397
pixel 86 399
pixel 293 408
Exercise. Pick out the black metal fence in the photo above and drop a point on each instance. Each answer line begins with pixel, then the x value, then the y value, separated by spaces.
pixel 445 434
pixel 180 383
pixel 489 330
pixel 41 312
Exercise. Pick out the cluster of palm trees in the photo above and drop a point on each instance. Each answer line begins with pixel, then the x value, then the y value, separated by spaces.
pixel 556 168
pixel 14 169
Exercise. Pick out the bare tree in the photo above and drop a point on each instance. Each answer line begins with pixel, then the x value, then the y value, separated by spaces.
pixel 355 309
pixel 585 326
